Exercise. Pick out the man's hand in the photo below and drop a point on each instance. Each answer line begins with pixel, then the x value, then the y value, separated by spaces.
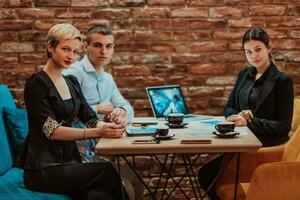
pixel 238 120
pixel 118 116
pixel 104 108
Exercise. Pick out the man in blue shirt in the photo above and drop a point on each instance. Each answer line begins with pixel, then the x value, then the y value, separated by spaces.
pixel 100 90
pixel 98 86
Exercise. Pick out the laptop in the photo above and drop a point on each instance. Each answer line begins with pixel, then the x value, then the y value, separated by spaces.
pixel 169 99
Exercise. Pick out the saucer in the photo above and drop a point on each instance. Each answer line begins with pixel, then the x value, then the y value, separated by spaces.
pixel 165 137
pixel 226 135
pixel 170 125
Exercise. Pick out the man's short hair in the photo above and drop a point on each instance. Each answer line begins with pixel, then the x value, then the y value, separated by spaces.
pixel 100 29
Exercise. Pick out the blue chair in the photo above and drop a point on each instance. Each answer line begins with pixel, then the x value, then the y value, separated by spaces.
pixel 11 178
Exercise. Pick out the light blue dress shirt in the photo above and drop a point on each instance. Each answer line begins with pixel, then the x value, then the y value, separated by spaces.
pixel 98 88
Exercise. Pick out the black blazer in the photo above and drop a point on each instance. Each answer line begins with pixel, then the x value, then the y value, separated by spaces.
pixel 274 109
pixel 42 101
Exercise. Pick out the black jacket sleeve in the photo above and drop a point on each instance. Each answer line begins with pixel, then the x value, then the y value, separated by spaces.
pixel 284 105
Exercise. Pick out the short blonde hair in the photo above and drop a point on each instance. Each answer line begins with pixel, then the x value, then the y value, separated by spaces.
pixel 60 32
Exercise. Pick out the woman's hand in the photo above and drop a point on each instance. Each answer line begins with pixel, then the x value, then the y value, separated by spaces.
pixel 238 120
pixel 110 130
pixel 247 114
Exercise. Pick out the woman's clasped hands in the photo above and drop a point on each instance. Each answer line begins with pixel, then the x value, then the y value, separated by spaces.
pixel 241 119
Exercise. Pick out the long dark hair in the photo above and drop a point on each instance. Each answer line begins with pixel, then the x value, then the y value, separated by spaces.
pixel 259 34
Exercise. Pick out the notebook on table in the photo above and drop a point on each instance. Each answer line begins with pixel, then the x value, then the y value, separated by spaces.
pixel 169 99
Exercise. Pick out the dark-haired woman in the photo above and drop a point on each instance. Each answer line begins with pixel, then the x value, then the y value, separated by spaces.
pixel 262 100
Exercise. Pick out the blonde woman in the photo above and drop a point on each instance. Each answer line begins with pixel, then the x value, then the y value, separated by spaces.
pixel 49 156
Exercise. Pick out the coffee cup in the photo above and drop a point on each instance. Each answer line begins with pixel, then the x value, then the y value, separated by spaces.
pixel 225 127
pixel 175 118
pixel 162 131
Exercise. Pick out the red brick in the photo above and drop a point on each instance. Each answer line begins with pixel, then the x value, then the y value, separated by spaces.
pixel 140 81
pixel 277 33
pixel 160 24
pixel 189 12
pixel 285 44
pixel 190 36
pixel 187 81
pixel 150 58
pixel 13 3
pixel 227 57
pixel 30 36
pixel 235 68
pixel 205 3
pixel 235 45
pixel 204 24
pixel 8 37
pixel 35 13
pixel 227 12
pixel 123 47
pixel 111 13
pixel 205 91
pixel 293 10
pixel 295 33
pixel 54 3
pixel 121 58
pixel 283 21
pixel 161 47
pixel 152 36
pixel 246 22
pixel 267 10
pixel 31 58
pixel 5 59
pixel 221 80
pixel 150 12
pixel 142 104
pixel 167 69
pixel 86 24
pixel 228 34
pixel 88 3
pixel 73 13
pixel 181 48
pixel 218 101
pixel 140 47
pixel 131 70
pixel 208 69
pixel 140 24
pixel 133 93
pixel 166 2
pixel 14 47
pixel 189 59
pixel 45 25
pixel 292 68
pixel 8 14
pixel 127 3
pixel 123 35
pixel 208 46
pixel 279 1
pixel 122 24
pixel 242 2
pixel 293 57
pixel 179 24
pixel 15 25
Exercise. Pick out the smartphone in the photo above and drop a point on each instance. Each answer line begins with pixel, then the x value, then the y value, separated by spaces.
pixel 143 123
pixel 131 132
pixel 146 141
pixel 195 142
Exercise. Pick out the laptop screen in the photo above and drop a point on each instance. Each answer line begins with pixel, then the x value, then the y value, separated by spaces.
pixel 166 99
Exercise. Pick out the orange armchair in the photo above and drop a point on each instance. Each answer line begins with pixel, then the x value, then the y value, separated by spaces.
pixel 270 173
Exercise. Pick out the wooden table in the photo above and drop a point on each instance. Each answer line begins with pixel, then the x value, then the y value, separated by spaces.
pixel 245 142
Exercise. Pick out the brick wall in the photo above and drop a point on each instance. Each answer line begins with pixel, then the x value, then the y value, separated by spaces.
pixel 194 43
